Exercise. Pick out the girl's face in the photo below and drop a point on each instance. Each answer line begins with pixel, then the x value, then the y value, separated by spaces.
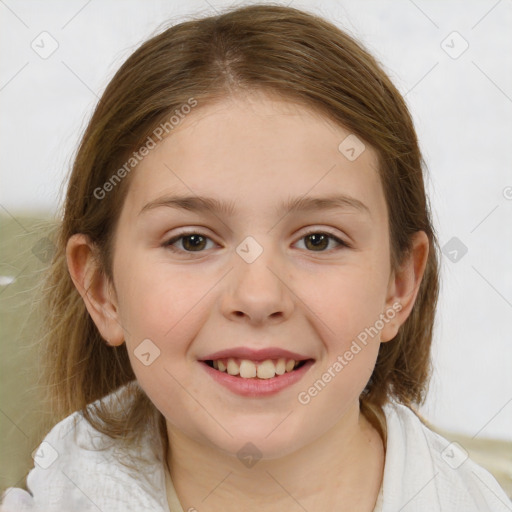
pixel 210 257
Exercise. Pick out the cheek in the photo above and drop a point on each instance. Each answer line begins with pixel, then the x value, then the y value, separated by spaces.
pixel 162 312
pixel 160 303
pixel 347 299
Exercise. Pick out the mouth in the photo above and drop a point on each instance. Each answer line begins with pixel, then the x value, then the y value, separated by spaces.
pixel 248 369
pixel 256 378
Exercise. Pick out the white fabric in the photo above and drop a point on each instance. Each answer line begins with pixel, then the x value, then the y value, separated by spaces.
pixel 417 476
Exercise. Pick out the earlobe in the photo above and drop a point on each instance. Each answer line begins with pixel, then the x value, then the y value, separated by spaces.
pixel 404 285
pixel 94 287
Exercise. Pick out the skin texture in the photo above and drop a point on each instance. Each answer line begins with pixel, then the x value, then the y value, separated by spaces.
pixel 255 152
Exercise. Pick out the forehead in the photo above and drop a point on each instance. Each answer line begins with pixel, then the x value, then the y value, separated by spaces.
pixel 257 151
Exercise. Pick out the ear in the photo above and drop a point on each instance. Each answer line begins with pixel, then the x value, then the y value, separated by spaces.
pixel 95 288
pixel 403 286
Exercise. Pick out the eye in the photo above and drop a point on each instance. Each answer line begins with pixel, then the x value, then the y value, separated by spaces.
pixel 189 242
pixel 319 241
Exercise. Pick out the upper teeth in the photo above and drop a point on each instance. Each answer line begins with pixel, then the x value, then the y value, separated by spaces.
pixel 248 369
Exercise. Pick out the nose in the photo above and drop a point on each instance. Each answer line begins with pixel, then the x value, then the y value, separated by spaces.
pixel 257 292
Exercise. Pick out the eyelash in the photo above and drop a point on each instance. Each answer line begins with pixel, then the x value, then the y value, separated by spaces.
pixel 169 243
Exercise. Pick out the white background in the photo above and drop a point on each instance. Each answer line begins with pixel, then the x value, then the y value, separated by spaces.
pixel 463 113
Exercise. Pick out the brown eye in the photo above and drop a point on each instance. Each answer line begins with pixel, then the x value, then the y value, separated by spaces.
pixel 317 241
pixel 193 242
pixel 322 242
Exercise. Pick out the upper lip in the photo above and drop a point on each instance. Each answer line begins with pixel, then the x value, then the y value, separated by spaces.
pixel 255 355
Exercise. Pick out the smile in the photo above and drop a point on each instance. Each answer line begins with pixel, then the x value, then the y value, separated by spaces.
pixel 247 369
pixel 256 378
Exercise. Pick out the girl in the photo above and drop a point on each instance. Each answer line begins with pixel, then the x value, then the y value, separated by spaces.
pixel 242 301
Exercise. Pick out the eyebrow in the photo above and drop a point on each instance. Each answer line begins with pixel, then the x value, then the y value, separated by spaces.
pixel 294 204
pixel 338 201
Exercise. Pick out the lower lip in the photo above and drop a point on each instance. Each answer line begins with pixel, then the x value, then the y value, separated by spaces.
pixel 257 387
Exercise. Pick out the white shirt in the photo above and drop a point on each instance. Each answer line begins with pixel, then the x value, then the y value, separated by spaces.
pixel 423 472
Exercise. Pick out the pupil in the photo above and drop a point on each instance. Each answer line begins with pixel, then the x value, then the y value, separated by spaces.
pixel 318 241
pixel 193 242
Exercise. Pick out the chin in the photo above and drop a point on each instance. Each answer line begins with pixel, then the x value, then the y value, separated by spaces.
pixel 260 439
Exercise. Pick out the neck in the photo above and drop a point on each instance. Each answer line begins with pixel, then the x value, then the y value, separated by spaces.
pixel 340 470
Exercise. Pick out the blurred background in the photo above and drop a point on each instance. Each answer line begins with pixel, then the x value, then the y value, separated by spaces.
pixel 451 61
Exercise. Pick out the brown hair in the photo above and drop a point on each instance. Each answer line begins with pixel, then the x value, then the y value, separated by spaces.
pixel 278 50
